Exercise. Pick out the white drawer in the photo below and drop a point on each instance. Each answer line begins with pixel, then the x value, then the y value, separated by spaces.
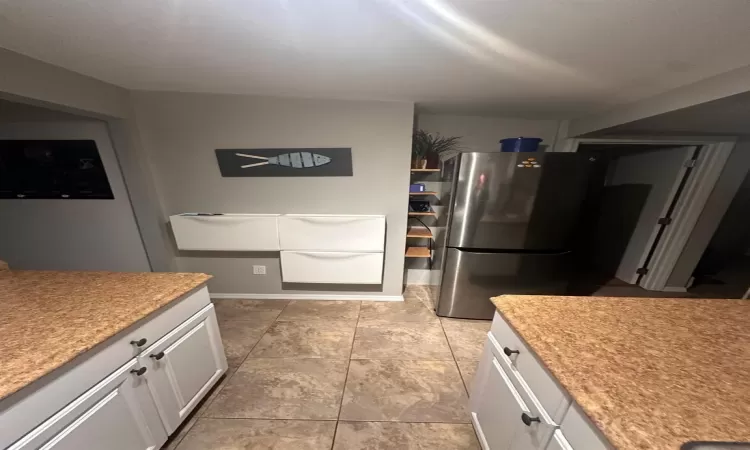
pixel 502 417
pixel 228 232
pixel 579 432
pixel 331 267
pixel 528 370
pixel 332 233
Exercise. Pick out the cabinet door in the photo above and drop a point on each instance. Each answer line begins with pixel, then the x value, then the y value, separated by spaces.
pixel 116 414
pixel 184 365
pixel 498 411
pixel 558 442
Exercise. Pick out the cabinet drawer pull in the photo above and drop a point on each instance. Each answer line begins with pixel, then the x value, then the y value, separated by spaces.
pixel 157 356
pixel 509 352
pixel 527 419
pixel 139 372
pixel 140 342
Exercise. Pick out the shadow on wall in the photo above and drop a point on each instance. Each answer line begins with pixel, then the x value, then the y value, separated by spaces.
pixel 603 241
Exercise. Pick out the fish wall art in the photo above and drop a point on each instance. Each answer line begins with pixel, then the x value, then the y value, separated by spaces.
pixel 285 162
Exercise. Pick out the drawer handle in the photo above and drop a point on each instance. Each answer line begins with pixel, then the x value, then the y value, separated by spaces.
pixel 509 352
pixel 157 356
pixel 139 372
pixel 527 419
pixel 140 342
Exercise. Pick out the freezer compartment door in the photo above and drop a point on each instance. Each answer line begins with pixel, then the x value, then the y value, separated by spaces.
pixel 517 201
pixel 471 278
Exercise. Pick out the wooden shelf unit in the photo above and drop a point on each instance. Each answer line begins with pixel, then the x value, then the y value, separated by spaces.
pixel 425 170
pixel 423 193
pixel 428 213
pixel 417 252
pixel 419 232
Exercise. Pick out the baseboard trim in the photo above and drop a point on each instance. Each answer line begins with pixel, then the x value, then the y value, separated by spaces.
pixel 353 297
pixel 674 289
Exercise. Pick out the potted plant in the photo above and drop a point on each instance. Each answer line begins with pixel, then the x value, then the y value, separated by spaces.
pixel 426 148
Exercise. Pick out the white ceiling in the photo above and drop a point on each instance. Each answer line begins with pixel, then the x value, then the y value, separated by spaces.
pixel 524 58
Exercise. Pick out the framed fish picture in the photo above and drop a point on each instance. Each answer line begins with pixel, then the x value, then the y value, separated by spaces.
pixel 285 162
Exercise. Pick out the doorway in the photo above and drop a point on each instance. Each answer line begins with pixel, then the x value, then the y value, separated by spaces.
pixel 643 199
pixel 723 270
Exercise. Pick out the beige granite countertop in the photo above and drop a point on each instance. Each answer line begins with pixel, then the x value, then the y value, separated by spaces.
pixel 650 373
pixel 49 318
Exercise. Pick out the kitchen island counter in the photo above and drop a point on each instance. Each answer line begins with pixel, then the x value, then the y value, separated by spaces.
pixel 648 373
pixel 49 318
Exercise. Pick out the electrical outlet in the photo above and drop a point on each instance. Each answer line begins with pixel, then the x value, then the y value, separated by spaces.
pixel 259 270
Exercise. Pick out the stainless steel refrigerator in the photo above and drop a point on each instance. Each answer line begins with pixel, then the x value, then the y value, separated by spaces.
pixel 510 227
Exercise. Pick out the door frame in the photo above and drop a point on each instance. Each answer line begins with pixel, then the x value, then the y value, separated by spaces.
pixel 715 151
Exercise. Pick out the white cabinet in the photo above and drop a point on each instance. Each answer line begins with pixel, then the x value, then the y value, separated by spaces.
pixel 98 403
pixel 579 432
pixel 116 414
pixel 332 267
pixel 331 233
pixel 183 365
pixel 226 232
pixel 516 404
pixel 558 442
pixel 528 371
pixel 503 420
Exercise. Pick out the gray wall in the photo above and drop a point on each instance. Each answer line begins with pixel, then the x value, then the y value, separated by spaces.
pixel 28 79
pixel 70 95
pixel 180 132
pixel 70 234
pixel 721 196
pixel 482 133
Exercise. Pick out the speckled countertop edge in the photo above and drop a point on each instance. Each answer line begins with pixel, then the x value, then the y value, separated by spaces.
pixel 624 432
pixel 51 318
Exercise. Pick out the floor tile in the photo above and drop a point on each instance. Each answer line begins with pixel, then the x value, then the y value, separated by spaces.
pixel 240 336
pixel 410 310
pixel 243 309
pixel 174 441
pixel 405 391
pixel 406 436
pixel 282 388
pixel 201 410
pixel 307 339
pixel 242 434
pixel 466 337
pixel 426 295
pixel 401 341
pixel 468 369
pixel 320 310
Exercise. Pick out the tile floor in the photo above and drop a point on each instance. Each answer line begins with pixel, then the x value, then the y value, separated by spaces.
pixel 339 375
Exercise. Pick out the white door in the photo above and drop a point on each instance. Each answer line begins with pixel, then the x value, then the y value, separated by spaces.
pixel 60 234
pixel 184 365
pixel 502 419
pixel 116 414
pixel 663 171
